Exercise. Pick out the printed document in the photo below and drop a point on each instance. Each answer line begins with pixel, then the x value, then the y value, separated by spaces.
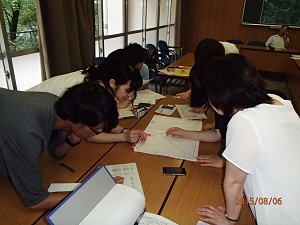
pixel 130 173
pixel 158 143
pixel 185 113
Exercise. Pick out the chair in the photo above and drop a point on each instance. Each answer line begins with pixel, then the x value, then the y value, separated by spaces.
pixel 98 60
pixel 168 55
pixel 154 64
pixel 257 43
pixel 235 41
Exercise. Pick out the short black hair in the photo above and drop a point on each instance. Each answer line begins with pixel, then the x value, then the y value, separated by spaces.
pixel 207 50
pixel 135 54
pixel 233 83
pixel 88 104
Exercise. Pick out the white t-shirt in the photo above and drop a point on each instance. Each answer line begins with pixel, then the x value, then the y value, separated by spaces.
pixel 230 47
pixel 264 142
pixel 59 84
pixel 275 41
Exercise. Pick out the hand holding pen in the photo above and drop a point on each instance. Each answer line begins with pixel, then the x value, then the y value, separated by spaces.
pixel 133 136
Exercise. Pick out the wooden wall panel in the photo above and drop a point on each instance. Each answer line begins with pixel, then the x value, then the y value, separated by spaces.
pixel 221 19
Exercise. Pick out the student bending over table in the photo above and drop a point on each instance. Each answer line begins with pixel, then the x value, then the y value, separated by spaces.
pixel 34 121
pixel 207 50
pixel 262 146
pixel 121 80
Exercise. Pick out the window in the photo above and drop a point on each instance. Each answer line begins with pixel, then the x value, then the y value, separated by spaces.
pixel 20 32
pixel 133 21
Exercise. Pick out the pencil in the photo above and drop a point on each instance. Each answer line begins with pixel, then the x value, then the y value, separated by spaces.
pixel 67 167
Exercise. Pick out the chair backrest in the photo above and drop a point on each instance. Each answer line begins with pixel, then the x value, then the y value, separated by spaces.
pixel 235 41
pixel 151 47
pixel 163 47
pixel 98 60
pixel 257 43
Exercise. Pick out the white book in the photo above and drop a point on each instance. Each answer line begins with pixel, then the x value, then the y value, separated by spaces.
pixel 100 200
pixel 158 143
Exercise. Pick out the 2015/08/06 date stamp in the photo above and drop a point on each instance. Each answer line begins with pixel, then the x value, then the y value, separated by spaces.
pixel 259 201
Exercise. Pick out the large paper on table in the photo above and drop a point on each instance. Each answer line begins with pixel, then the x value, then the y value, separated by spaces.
pixel 160 144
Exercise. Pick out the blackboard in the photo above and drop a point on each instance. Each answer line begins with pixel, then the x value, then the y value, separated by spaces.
pixel 271 13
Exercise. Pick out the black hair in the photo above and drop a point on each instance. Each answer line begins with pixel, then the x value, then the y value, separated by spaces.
pixel 135 54
pixel 233 83
pixel 207 50
pixel 88 104
pixel 120 71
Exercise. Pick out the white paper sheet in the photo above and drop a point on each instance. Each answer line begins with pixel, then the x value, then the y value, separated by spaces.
pixel 147 96
pixel 184 111
pixel 124 113
pixel 160 144
pixel 153 219
pixel 61 187
pixel 130 172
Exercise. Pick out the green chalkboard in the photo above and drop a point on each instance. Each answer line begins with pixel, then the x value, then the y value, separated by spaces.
pixel 272 12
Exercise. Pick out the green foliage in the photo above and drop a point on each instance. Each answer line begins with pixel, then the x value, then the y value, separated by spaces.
pixel 21 23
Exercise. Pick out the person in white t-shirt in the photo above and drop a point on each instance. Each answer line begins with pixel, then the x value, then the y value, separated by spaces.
pixel 280 40
pixel 262 146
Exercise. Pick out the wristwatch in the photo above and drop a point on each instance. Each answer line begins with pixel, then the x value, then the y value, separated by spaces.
pixel 68 141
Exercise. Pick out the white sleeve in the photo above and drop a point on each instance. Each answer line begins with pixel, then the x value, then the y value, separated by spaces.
pixel 269 41
pixel 242 147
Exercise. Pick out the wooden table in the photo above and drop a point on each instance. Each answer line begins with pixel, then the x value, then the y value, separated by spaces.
pixel 297 62
pixel 173 79
pixel 264 59
pixel 176 198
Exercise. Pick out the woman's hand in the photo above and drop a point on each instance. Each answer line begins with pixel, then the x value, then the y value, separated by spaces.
pixel 213 215
pixel 201 109
pixel 183 95
pixel 134 136
pixel 211 160
pixel 119 180
pixel 125 104
pixel 176 132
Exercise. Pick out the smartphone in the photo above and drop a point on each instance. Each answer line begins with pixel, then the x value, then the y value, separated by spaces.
pixel 174 171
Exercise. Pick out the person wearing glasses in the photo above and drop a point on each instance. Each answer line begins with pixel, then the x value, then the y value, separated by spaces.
pixel 34 121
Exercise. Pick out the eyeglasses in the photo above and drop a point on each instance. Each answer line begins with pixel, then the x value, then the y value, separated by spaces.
pixel 96 131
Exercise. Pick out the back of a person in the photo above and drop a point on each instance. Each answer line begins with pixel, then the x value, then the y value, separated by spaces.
pixel 272 186
pixel 59 84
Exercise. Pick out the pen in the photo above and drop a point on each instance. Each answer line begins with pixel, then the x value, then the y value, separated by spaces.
pixel 67 167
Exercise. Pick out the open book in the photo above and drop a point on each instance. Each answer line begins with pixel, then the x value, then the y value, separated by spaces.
pixel 100 200
pixel 159 144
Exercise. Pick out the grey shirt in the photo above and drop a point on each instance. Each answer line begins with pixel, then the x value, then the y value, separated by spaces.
pixel 27 121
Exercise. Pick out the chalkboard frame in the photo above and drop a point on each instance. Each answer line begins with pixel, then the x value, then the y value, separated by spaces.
pixel 254 11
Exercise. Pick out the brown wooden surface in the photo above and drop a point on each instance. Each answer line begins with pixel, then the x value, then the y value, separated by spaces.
pixel 271 60
pixel 222 20
pixel 297 62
